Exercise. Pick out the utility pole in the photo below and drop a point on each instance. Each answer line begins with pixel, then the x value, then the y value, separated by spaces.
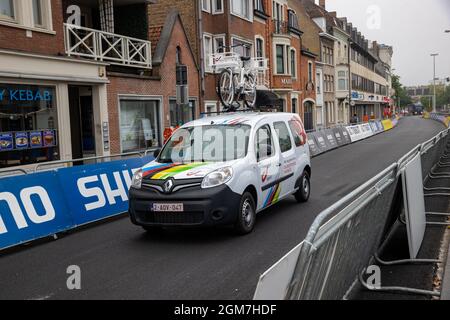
pixel 434 55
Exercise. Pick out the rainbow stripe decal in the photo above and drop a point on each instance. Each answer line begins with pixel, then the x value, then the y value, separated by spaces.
pixel 162 172
pixel 273 196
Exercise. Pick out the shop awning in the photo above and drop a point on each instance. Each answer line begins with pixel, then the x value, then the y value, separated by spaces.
pixel 265 98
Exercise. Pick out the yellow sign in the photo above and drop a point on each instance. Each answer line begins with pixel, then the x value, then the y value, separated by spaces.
pixel 387 125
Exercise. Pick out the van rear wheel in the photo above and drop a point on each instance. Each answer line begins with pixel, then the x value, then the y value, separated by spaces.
pixel 247 215
pixel 304 191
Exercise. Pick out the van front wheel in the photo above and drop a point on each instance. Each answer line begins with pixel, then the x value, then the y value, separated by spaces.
pixel 247 215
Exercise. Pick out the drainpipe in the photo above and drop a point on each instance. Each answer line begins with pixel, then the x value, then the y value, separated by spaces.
pixel 201 54
pixel 350 78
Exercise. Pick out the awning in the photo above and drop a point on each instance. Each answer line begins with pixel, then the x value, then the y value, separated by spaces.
pixel 265 98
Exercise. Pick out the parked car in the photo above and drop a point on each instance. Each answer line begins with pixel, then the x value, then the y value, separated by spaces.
pixel 223 171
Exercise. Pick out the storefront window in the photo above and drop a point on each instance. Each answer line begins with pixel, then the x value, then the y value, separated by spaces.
pixel 181 114
pixel 139 125
pixel 28 125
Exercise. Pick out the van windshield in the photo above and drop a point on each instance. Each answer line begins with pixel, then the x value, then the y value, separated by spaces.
pixel 212 143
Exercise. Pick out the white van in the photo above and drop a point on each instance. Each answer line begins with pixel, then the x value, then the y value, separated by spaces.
pixel 223 171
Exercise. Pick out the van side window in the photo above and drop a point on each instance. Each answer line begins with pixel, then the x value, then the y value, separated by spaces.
pixel 264 144
pixel 297 132
pixel 284 136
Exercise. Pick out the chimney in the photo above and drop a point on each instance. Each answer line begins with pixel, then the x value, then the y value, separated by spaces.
pixel 333 14
pixel 322 3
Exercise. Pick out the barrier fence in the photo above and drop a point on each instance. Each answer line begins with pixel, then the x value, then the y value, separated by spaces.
pixel 49 198
pixel 325 140
pixel 42 204
pixel 345 238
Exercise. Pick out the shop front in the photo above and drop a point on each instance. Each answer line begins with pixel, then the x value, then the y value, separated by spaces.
pixel 50 109
pixel 28 124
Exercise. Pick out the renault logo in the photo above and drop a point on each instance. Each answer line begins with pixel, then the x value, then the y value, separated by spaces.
pixel 168 186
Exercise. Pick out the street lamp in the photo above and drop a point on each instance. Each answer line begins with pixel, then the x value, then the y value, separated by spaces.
pixel 434 55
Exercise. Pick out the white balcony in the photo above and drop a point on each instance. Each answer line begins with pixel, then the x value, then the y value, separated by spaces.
pixel 107 47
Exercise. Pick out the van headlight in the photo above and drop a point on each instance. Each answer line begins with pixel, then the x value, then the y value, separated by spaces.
pixel 137 179
pixel 217 178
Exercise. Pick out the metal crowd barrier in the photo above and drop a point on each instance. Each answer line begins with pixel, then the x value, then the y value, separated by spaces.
pixel 53 165
pixel 347 236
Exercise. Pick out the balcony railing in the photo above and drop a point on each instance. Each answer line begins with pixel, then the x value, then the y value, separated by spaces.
pixel 107 47
pixel 280 27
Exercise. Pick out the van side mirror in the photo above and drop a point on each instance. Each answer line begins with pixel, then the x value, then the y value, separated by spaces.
pixel 156 153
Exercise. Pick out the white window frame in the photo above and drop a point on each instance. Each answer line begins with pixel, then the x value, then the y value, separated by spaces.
pixel 213 49
pixel 261 38
pixel 205 52
pixel 218 37
pixel 239 15
pixel 24 17
pixel 210 104
pixel 214 7
pixel 13 19
pixel 246 41
pixel 208 4
pixel 287 52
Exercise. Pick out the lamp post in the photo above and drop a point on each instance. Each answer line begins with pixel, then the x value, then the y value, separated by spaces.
pixel 434 55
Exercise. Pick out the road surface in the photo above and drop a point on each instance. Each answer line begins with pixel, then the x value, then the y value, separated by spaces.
pixel 120 261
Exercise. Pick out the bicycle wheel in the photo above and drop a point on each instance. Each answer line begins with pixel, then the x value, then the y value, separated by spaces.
pixel 250 91
pixel 225 88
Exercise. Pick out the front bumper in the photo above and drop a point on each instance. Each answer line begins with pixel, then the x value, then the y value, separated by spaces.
pixel 202 207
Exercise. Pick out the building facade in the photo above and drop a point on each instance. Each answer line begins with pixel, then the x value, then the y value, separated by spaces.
pixel 81 79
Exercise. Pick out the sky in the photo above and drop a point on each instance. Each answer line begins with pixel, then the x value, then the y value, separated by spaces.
pixel 415 28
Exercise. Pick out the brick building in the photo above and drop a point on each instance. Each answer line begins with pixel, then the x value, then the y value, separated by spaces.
pixel 93 86
pixel 270 29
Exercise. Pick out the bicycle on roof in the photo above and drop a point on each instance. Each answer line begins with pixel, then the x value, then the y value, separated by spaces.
pixel 238 77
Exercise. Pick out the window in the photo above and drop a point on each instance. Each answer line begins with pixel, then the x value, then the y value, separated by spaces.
pixel 37 13
pixel 310 72
pixel 294 105
pixel 182 75
pixel 280 59
pixel 259 6
pixel 293 64
pixel 217 6
pixel 219 44
pixel 297 132
pixel 206 5
pixel 28 125
pixel 264 145
pixel 241 47
pixel 181 114
pixel 139 126
pixel 319 83
pixel 242 8
pixel 284 137
pixel 259 48
pixel 210 108
pixel 7 10
pixel 208 50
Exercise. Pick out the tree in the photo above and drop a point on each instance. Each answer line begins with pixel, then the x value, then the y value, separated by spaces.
pixel 400 92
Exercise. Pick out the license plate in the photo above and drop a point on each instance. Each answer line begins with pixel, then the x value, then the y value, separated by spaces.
pixel 168 207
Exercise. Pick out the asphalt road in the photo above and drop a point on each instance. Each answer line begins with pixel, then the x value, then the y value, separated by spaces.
pixel 120 261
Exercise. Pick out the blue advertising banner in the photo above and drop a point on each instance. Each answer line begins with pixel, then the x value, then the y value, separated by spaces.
pixel 38 205
pixel 31 207
pixel 98 191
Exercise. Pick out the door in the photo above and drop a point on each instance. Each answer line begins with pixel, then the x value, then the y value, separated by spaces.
pixel 288 158
pixel 309 123
pixel 87 126
pixel 268 167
